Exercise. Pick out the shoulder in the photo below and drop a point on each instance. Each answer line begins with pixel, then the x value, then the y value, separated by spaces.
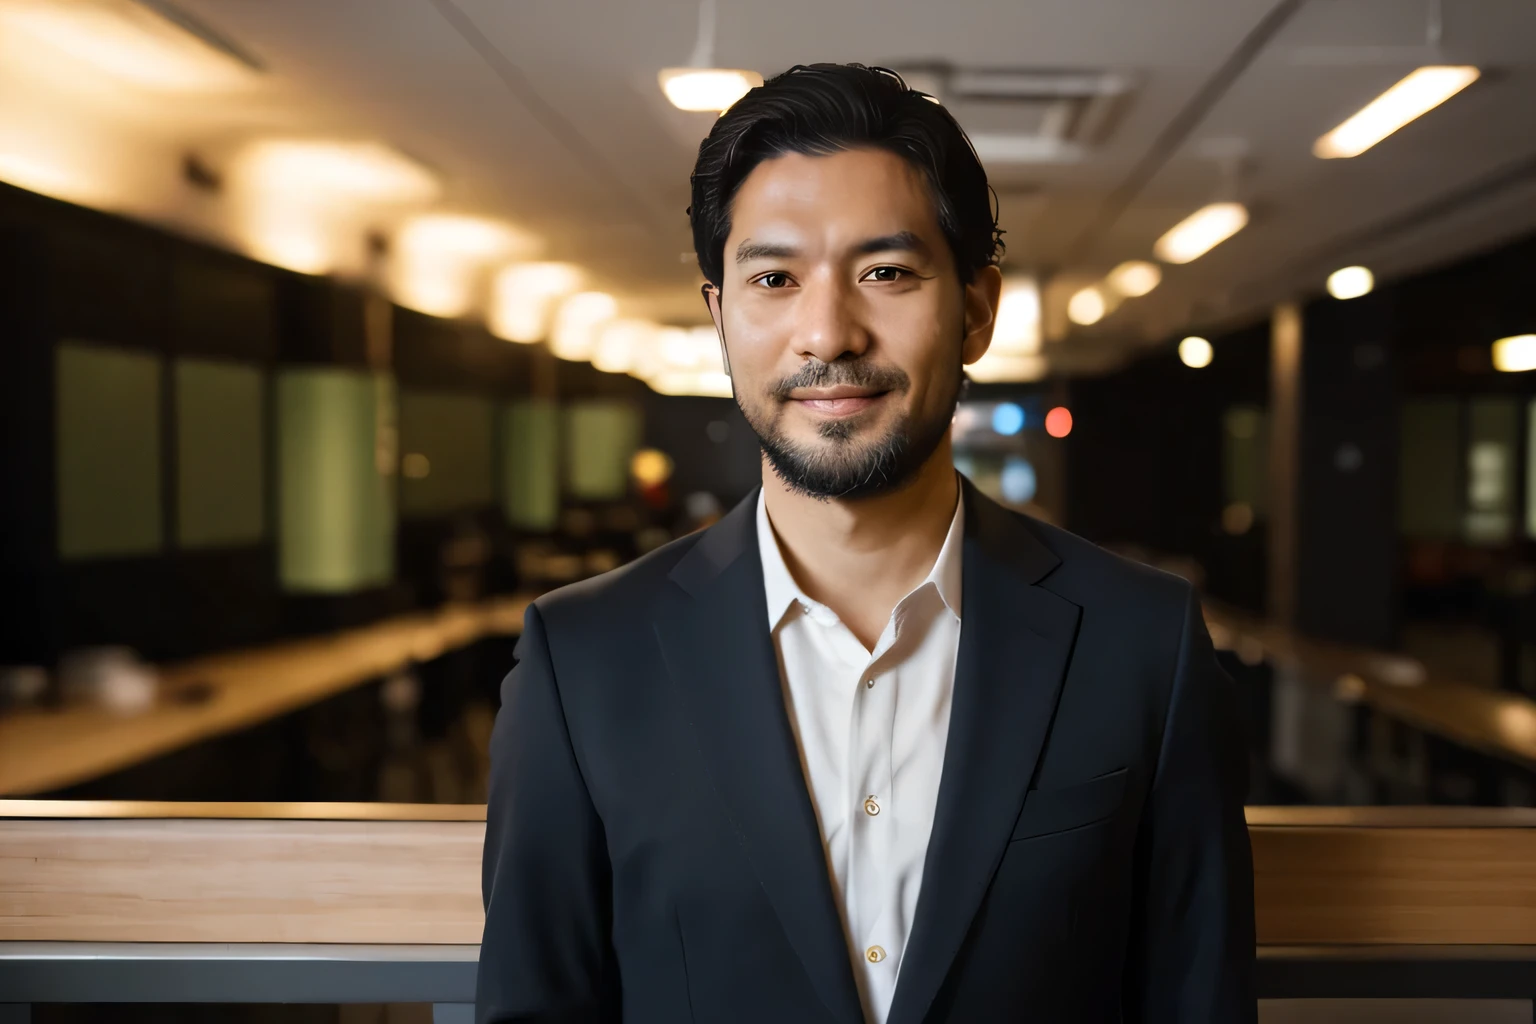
pixel 1103 582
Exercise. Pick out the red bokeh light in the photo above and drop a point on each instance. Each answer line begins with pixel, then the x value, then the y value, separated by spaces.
pixel 1058 422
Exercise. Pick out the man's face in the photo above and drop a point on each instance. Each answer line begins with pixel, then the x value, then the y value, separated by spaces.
pixel 845 321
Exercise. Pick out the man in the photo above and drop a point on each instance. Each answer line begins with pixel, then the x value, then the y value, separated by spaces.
pixel 872 747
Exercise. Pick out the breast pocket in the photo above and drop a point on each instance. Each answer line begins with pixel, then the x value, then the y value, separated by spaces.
pixel 1047 811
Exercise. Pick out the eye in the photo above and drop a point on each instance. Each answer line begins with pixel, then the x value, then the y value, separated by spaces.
pixel 774 280
pixel 887 275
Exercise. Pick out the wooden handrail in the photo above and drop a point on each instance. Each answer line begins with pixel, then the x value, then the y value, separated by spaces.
pixel 366 873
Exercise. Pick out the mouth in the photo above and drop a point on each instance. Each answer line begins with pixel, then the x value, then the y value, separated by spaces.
pixel 842 400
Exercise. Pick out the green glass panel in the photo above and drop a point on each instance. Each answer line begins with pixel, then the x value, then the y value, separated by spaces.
pixel 445 453
pixel 1493 438
pixel 600 438
pixel 107 451
pixel 530 464
pixel 1429 458
pixel 1245 456
pixel 220 454
pixel 336 457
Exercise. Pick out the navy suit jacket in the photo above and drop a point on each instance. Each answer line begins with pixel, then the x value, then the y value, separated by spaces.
pixel 652 854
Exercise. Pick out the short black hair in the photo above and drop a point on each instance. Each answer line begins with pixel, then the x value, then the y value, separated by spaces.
pixel 820 109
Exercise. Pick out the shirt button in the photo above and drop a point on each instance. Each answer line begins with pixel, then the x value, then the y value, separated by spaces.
pixel 869 683
pixel 871 808
pixel 874 954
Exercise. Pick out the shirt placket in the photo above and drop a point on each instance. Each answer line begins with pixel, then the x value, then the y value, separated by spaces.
pixel 874 811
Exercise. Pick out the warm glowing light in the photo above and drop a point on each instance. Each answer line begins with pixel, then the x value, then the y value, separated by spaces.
pixel 577 323
pixel 619 344
pixel 1516 354
pixel 1350 282
pixel 324 171
pixel 44 178
pixel 650 467
pixel 1195 352
pixel 706 88
pixel 996 368
pixel 707 385
pixel 1087 307
pixel 1058 422
pixel 1420 92
pixel 1200 232
pixel 1134 278
pixel 129 42
pixel 436 260
pixel 301 203
pixel 1017 331
pixel 524 297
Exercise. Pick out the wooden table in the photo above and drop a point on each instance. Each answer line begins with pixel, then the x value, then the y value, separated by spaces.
pixel 41 750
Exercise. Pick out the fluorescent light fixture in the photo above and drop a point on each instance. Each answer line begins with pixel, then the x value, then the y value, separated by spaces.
pixel 580 317
pixel 996 368
pixel 1087 306
pixel 711 384
pixel 129 42
pixel 524 297
pixel 42 177
pixel 436 260
pixel 1134 278
pixel 1195 352
pixel 319 170
pixel 1350 282
pixel 1017 331
pixel 706 88
pixel 1420 92
pixel 1516 354
pixel 1200 232
pixel 619 344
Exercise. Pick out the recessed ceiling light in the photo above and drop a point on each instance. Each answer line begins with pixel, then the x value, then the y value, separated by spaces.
pixel 1420 92
pixel 706 88
pixel 1350 282
pixel 1134 278
pixel 524 296
pixel 1516 354
pixel 1195 352
pixel 1200 232
pixel 1087 306
pixel 1017 331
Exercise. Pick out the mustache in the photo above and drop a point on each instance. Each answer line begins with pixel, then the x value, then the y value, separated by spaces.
pixel 859 373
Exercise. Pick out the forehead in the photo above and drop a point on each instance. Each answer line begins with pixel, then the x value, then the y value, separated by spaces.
pixel 857 189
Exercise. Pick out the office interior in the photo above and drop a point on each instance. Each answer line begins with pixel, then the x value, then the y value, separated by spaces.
pixel 334 334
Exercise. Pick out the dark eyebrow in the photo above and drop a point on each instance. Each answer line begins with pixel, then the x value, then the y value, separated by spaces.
pixel 900 241
pixel 750 250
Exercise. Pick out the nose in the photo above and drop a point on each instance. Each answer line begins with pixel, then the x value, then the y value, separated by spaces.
pixel 828 324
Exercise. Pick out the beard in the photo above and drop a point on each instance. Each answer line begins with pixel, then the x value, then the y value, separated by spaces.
pixel 843 466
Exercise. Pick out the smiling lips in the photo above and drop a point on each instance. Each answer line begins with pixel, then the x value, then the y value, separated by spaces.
pixel 843 400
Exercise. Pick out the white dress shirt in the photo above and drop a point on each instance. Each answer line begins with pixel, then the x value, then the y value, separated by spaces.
pixel 871 727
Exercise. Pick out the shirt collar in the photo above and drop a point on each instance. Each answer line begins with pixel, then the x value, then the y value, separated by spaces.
pixel 783 592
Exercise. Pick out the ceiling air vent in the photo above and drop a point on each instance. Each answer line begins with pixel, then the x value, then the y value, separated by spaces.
pixel 1027 116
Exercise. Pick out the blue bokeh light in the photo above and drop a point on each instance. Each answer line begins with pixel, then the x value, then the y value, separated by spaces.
pixel 1008 419
pixel 1018 480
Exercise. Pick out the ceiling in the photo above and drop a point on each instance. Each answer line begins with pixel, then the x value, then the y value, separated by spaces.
pixel 547 113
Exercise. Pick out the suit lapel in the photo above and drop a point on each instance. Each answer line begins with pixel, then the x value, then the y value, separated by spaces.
pixel 1015 641
pixel 714 637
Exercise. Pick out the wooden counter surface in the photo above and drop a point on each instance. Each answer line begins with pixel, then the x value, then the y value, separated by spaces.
pixel 369 873
pixel 44 750
pixel 1493 722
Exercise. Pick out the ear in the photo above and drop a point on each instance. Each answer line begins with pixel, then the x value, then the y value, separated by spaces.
pixel 712 301
pixel 982 296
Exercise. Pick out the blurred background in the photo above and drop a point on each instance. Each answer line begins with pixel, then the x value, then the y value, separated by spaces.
pixel 331 333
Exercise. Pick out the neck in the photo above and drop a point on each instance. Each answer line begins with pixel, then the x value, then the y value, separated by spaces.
pixel 860 558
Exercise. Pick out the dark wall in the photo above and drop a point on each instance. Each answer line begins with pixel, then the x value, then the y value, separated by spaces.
pixel 1144 459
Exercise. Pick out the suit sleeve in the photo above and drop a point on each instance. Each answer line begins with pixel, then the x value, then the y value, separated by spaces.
pixel 1191 957
pixel 546 955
